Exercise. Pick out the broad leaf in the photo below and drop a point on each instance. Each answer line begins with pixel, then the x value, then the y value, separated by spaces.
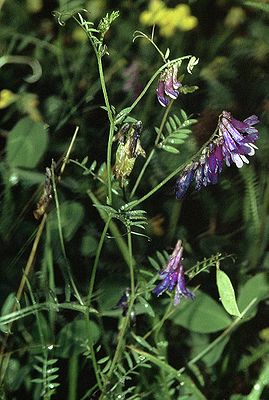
pixel 256 287
pixel 75 336
pixel 226 292
pixel 202 315
pixel 26 144
pixel 72 214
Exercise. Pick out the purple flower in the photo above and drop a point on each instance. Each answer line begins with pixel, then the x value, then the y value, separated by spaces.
pixel 168 85
pixel 234 141
pixel 238 138
pixel 173 276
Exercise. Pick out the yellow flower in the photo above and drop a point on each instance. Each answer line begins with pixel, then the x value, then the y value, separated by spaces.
pixel 154 14
pixel 168 19
pixel 6 98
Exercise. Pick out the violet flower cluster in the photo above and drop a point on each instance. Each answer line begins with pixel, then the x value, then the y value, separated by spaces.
pixel 235 140
pixel 168 86
pixel 173 276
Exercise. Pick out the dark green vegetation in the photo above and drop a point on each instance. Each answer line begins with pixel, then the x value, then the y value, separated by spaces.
pixel 64 272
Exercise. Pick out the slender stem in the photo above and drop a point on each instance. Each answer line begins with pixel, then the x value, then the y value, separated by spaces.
pixel 167 110
pixel 141 174
pixel 109 113
pixel 132 204
pixel 182 379
pixel 165 115
pixel 127 318
pixel 60 231
pixel 111 129
pixel 96 261
pixel 91 173
pixel 144 91
pixel 93 356
pixel 4 361
pixel 69 151
pixel 161 322
pixel 221 336
pixel 131 266
pixel 72 377
pixel 108 163
pixel 113 229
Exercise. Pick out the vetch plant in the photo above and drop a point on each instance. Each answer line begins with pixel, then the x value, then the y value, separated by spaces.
pixel 113 324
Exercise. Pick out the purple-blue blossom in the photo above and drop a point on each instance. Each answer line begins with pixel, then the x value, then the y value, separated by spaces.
pixel 168 86
pixel 173 276
pixel 234 141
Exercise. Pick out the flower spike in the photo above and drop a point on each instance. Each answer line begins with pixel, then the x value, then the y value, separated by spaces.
pixel 168 85
pixel 235 140
pixel 173 277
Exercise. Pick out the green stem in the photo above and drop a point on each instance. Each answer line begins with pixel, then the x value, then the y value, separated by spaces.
pixel 113 229
pixel 60 231
pixel 162 321
pixel 182 379
pixel 72 377
pixel 167 110
pixel 134 203
pixel 108 163
pixel 220 337
pixel 127 111
pixel 93 356
pixel 111 129
pixel 96 261
pixel 127 318
pixel 131 266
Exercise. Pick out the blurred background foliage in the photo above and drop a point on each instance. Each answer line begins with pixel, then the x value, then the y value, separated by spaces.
pixel 48 86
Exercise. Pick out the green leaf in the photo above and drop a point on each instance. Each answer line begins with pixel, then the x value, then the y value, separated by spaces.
pixel 74 337
pixel 257 4
pixel 188 89
pixel 170 149
pixel 29 177
pixel 72 214
pixel 255 287
pixel 226 292
pixel 88 246
pixel 111 290
pixel 203 315
pixel 7 308
pixel 26 143
pixel 144 307
pixel 214 354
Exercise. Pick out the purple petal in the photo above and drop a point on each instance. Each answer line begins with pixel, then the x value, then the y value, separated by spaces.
pixel 183 183
pixel 252 120
pixel 161 95
pixel 240 126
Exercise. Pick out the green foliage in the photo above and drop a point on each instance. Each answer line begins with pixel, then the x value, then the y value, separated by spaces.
pixel 176 132
pixel 204 315
pixel 74 338
pixel 226 292
pixel 27 143
pixel 78 316
pixel 48 376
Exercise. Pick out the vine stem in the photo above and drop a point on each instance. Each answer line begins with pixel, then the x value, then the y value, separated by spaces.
pixel 167 110
pixel 4 361
pixel 96 261
pixel 115 232
pixel 127 111
pixel 111 130
pixel 220 337
pixel 134 203
pixel 126 319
